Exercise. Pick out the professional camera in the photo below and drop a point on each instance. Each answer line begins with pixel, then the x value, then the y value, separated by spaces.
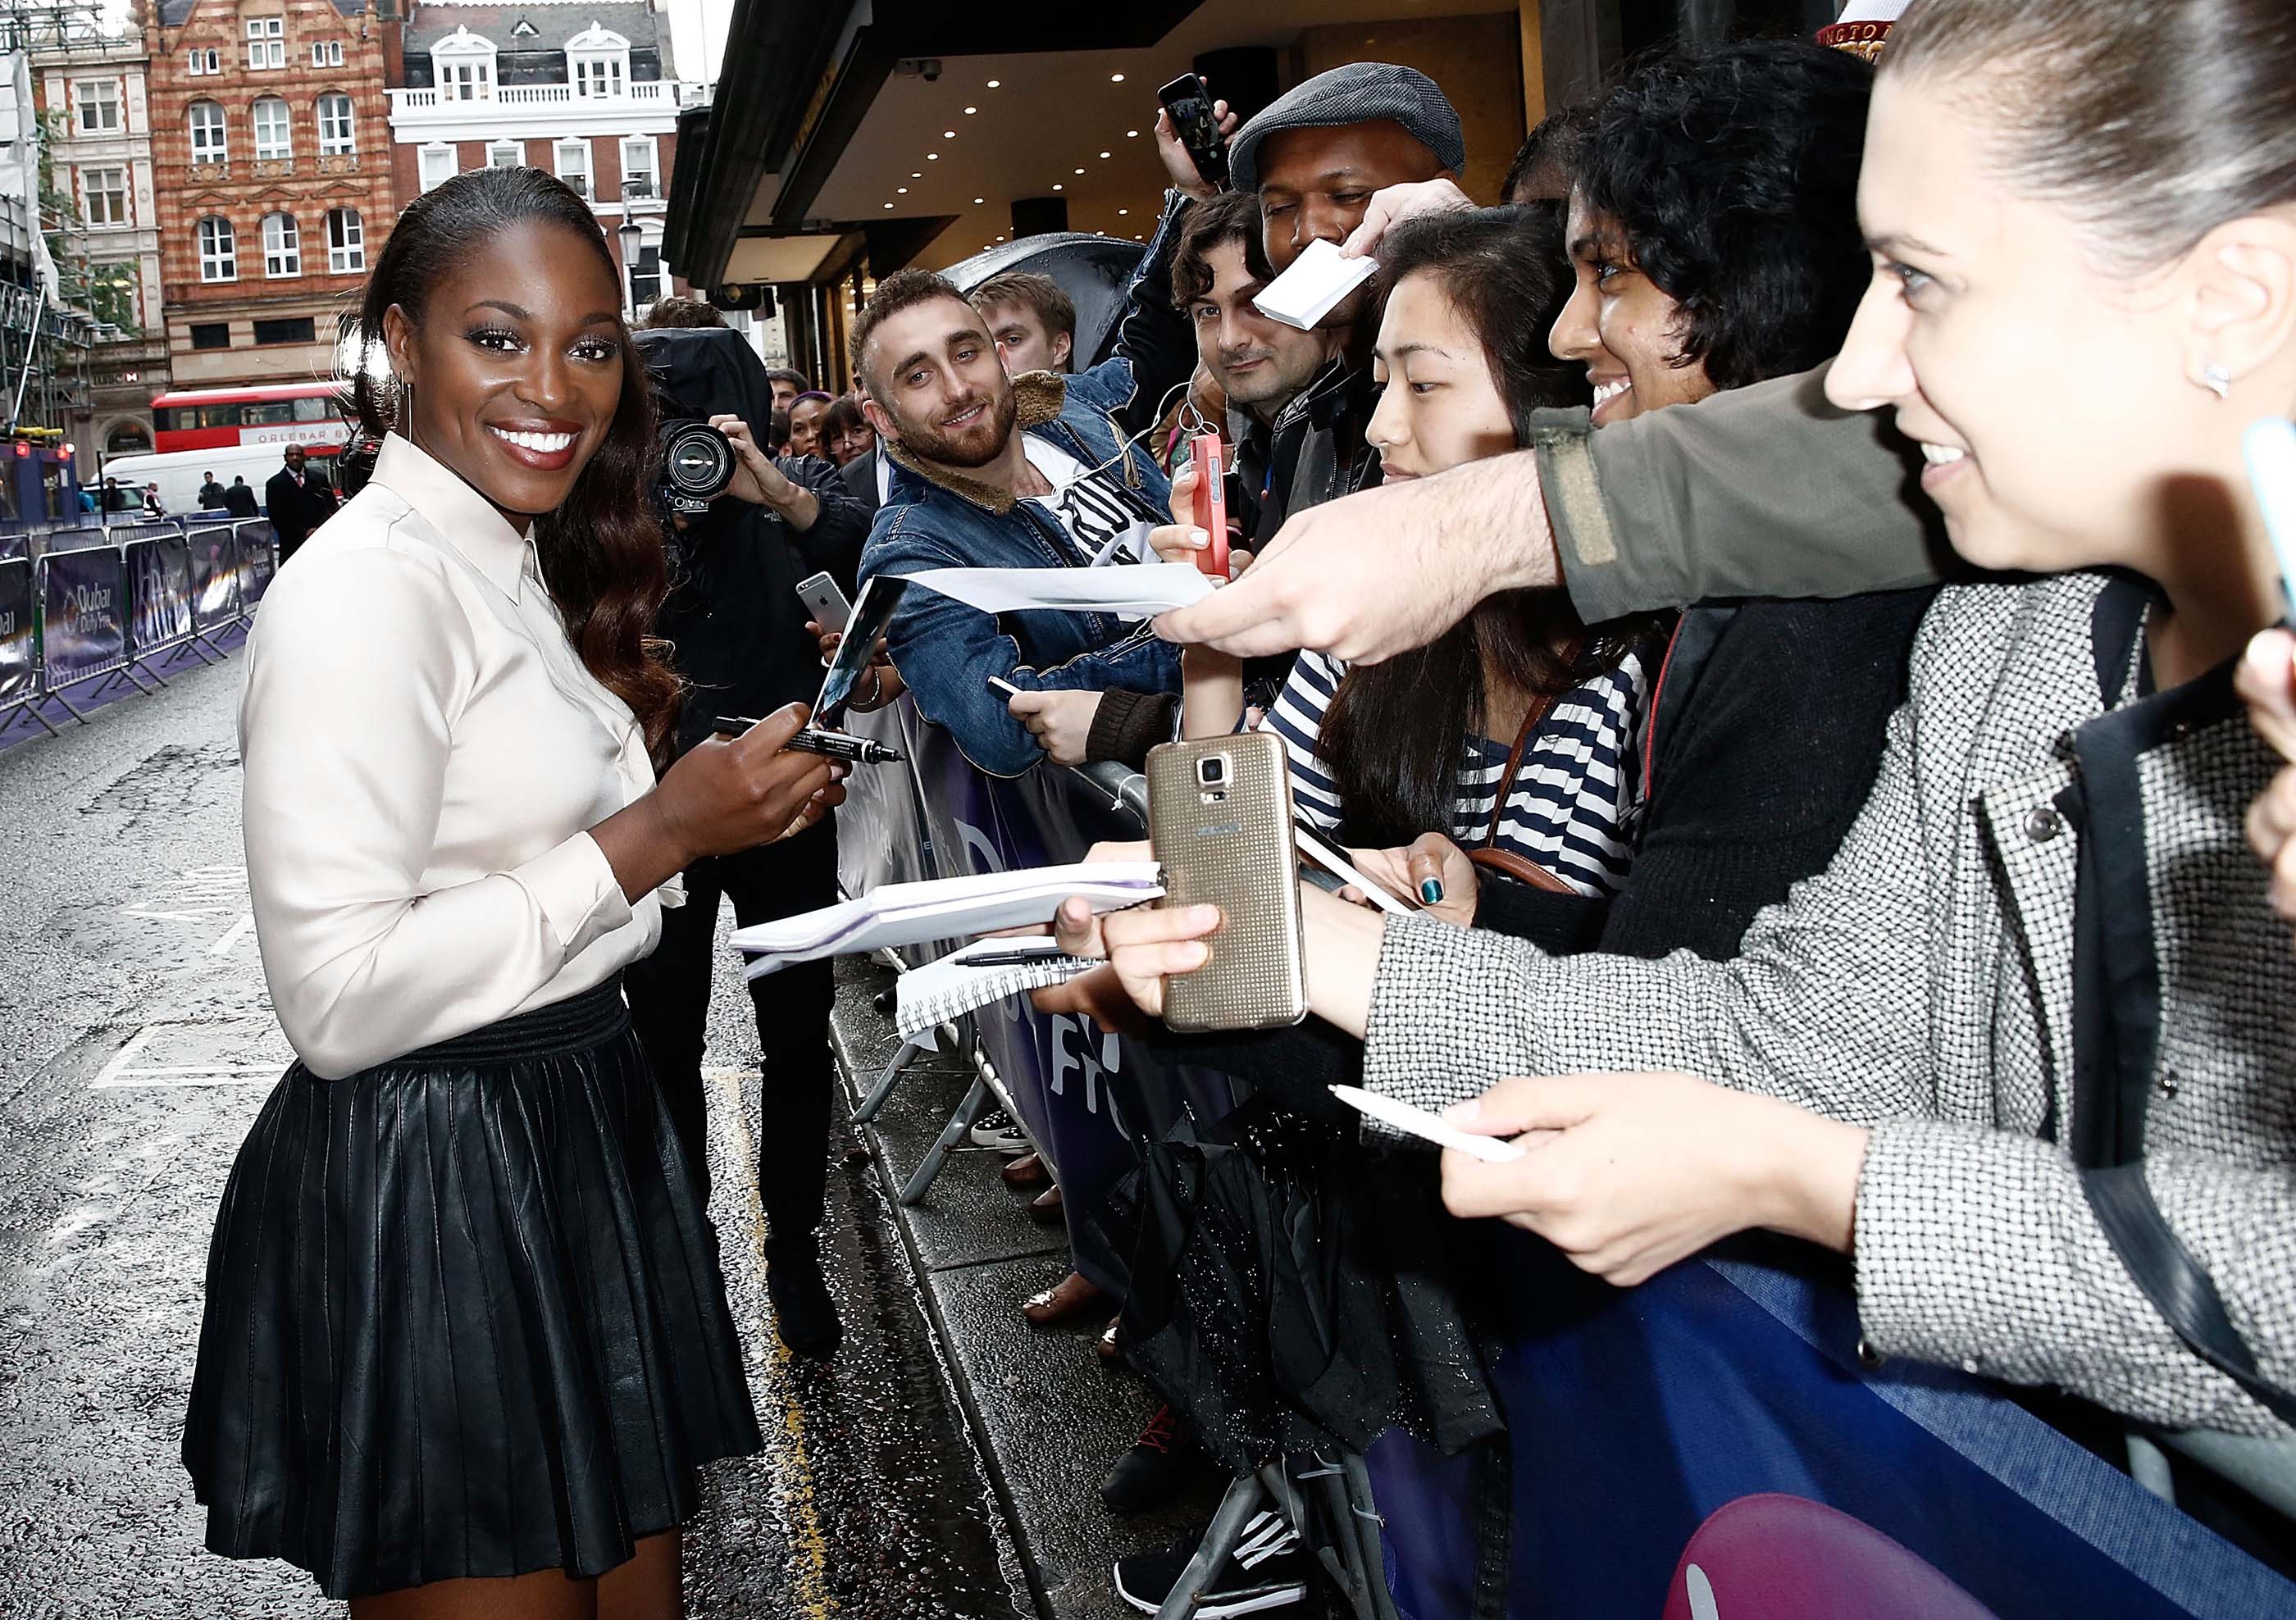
pixel 697 463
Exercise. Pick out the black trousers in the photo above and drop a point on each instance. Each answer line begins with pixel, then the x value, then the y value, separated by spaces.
pixel 669 1008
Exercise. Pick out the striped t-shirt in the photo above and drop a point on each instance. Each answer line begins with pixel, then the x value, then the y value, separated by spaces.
pixel 1574 796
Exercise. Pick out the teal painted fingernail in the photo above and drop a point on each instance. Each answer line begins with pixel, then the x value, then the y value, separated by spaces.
pixel 1431 892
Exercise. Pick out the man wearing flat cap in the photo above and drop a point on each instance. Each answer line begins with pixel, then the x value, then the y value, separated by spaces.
pixel 1314 156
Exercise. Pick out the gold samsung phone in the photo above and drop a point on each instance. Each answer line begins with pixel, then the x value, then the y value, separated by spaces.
pixel 1220 818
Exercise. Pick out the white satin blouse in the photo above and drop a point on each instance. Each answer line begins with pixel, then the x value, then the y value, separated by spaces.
pixel 423 752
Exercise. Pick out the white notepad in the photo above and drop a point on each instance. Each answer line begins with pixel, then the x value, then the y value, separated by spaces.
pixel 1312 288
pixel 932 995
pixel 945 908
pixel 1133 590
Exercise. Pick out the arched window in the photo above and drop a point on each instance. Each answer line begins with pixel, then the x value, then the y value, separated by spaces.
pixel 283 246
pixel 218 250
pixel 207 133
pixel 127 438
pixel 336 133
pixel 345 242
pixel 272 139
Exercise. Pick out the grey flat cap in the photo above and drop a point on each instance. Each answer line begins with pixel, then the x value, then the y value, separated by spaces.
pixel 1361 93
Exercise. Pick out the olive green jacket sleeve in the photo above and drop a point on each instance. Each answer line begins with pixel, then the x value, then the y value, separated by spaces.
pixel 1762 491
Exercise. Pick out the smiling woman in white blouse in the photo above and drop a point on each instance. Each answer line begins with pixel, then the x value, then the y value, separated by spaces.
pixel 466 1340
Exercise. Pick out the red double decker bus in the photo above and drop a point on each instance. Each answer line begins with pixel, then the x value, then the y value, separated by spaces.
pixel 266 414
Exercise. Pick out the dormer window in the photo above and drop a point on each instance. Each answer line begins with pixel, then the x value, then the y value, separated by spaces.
pixel 598 61
pixel 523 29
pixel 463 63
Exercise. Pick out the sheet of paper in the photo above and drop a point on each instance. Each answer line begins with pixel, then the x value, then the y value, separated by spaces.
pixel 1318 280
pixel 945 908
pixel 1136 591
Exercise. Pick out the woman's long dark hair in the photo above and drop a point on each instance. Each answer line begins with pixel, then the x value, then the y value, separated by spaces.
pixel 602 550
pixel 1396 734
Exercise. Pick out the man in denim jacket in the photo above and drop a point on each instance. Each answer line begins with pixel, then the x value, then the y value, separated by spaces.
pixel 1033 471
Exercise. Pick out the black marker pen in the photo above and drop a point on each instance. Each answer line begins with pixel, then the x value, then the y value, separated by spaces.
pixel 829 745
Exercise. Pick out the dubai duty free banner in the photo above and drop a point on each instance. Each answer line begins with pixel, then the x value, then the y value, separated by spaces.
pixel 160 571
pixel 16 646
pixel 83 616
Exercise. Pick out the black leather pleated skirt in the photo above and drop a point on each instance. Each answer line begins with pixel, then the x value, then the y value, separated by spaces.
pixel 465 1316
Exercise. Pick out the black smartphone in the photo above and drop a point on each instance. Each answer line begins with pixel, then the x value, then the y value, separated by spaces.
pixel 1190 103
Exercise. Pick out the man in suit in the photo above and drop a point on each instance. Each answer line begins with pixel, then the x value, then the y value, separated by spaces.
pixel 239 500
pixel 299 502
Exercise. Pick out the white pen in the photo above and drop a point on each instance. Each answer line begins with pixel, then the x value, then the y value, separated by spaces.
pixel 1418 1122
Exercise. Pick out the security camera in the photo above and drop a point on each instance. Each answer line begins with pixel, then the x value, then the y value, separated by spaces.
pixel 930 67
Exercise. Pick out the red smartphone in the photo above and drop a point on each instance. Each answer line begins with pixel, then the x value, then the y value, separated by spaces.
pixel 1211 513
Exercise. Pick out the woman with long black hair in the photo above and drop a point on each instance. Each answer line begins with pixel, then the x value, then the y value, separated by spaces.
pixel 465 1330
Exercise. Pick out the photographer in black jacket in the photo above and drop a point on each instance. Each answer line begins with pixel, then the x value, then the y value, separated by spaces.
pixel 737 629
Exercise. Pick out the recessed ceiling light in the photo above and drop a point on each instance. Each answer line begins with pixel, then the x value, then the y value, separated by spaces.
pixel 978 200
pixel 914 175
pixel 1000 238
pixel 972 109
pixel 1079 171
pixel 1103 154
pixel 1116 79
pixel 1137 236
pixel 1124 210
pixel 1131 134
pixel 932 157
pixel 948 135
pixel 888 205
pixel 992 84
pixel 1058 186
pixel 902 190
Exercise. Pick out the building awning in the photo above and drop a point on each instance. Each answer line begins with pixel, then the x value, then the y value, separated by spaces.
pixel 879 133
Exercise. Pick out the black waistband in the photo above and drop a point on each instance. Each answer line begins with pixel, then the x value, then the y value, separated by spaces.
pixel 577 1024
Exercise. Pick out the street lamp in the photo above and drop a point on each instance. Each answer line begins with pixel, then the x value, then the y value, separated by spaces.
pixel 630 235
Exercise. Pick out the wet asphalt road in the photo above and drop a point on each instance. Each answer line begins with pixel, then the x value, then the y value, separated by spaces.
pixel 135 1047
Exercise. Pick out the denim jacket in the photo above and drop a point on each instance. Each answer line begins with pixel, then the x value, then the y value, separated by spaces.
pixel 945 650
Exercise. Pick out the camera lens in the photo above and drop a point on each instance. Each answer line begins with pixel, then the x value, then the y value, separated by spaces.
pixel 697 461
pixel 1211 770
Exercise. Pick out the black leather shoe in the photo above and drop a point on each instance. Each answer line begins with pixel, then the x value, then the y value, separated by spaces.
pixel 1157 1468
pixel 804 1314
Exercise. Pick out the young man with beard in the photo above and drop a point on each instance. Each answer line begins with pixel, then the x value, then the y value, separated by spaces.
pixel 991 472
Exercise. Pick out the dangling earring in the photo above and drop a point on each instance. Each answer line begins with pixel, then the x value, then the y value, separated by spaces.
pixel 2217 380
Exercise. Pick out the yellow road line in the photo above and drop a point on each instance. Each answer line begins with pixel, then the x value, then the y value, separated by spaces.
pixel 811 1577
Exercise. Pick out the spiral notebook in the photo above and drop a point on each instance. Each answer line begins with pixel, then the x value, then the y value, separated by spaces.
pixel 957 984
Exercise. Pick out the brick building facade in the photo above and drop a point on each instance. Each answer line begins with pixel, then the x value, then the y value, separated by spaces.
pixel 94 98
pixel 270 143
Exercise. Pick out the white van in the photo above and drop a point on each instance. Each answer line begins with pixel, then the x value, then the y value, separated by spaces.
pixel 179 473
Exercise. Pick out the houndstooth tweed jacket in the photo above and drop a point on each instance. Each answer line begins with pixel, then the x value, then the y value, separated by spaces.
pixel 1922 986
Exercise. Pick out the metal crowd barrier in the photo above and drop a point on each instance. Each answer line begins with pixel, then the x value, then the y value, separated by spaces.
pixel 138 599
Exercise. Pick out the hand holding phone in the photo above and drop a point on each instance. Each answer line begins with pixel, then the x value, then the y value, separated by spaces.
pixel 825 602
pixel 1195 122
pixel 1220 819
pixel 1209 510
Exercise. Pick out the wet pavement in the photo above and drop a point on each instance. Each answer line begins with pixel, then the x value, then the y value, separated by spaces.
pixel 135 1047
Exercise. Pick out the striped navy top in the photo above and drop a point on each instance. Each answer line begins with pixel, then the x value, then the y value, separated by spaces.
pixel 1574 798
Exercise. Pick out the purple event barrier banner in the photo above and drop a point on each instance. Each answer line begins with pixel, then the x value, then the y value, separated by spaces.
pixel 83 614
pixel 214 560
pixel 1635 1413
pixel 18 653
pixel 159 573
pixel 258 559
